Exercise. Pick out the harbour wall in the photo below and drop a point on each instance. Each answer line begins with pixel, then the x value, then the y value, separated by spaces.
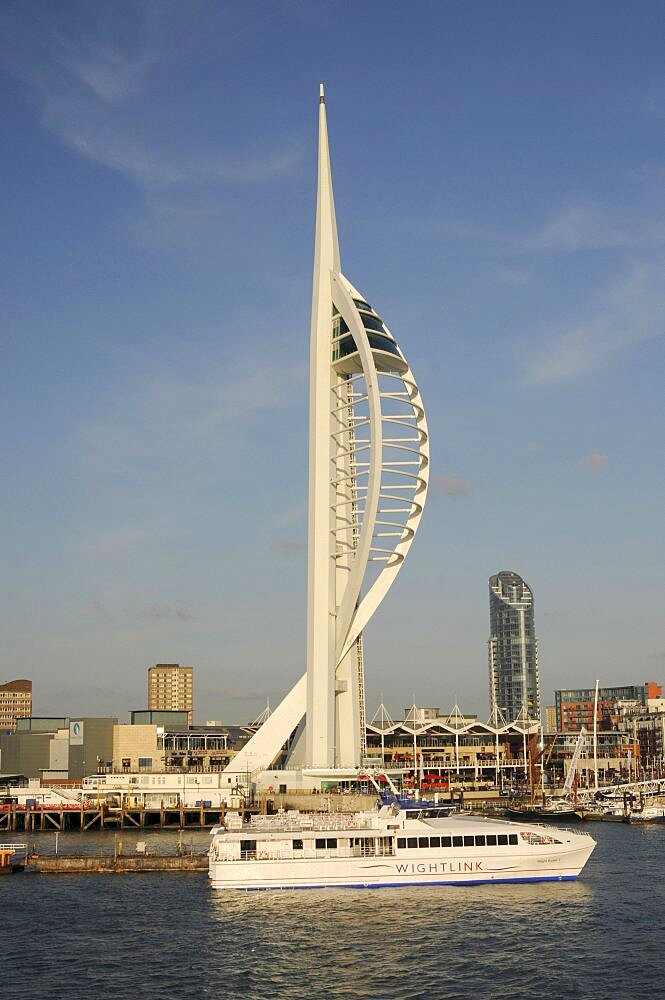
pixel 80 864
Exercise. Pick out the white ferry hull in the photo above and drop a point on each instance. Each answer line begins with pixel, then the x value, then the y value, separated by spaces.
pixel 374 873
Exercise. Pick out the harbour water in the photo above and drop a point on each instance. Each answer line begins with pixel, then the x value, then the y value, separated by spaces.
pixel 168 935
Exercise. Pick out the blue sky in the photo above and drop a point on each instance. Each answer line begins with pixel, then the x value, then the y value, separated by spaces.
pixel 499 175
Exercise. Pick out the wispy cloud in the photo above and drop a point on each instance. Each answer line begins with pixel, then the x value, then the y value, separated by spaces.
pixel 514 277
pixel 629 312
pixel 107 55
pixel 171 612
pixel 451 486
pixel 90 81
pixel 288 546
pixel 93 610
pixel 594 462
pixel 95 132
pixel 585 225
pixel 118 542
pixel 297 514
pixel 163 417
pixel 575 225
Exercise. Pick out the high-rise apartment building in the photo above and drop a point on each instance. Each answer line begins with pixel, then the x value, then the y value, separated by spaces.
pixel 171 686
pixel 15 703
pixel 513 648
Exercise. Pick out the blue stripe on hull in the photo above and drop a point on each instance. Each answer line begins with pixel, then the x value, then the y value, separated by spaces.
pixel 402 885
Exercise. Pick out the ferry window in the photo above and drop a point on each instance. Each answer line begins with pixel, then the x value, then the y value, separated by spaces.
pixel 491 840
pixel 423 841
pixel 512 838
pixel 411 841
pixel 469 841
pixel 503 839
pixel 446 841
pixel 247 846
pixel 331 842
pixel 457 841
pixel 401 841
pixel 297 845
pixel 320 843
pixel 480 840
pixel 435 841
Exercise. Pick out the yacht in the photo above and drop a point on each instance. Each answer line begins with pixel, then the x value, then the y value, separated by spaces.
pixel 395 845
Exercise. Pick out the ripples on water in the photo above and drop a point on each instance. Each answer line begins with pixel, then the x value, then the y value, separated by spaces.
pixel 170 936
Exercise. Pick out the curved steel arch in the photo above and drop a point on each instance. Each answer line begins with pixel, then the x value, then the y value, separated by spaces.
pixel 355 608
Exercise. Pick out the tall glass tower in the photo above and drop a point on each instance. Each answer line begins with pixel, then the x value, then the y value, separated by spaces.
pixel 512 649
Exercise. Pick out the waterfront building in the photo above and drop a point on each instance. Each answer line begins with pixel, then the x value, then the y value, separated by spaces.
pixel 368 475
pixel 171 686
pixel 57 748
pixel 575 706
pixel 512 649
pixel 162 741
pixel 450 749
pixel 168 718
pixel 650 733
pixel 15 703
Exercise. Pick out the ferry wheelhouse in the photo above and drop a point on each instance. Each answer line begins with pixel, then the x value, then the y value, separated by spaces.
pixel 391 846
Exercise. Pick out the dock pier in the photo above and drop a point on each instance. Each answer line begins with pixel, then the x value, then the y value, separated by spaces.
pixel 41 818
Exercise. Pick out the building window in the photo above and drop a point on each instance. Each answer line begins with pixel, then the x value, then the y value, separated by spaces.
pixel 145 763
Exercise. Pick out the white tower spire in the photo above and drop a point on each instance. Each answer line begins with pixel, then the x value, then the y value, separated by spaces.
pixel 320 738
pixel 368 473
pixel 368 477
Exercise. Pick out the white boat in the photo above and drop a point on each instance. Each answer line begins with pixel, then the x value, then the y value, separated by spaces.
pixel 391 846
pixel 654 813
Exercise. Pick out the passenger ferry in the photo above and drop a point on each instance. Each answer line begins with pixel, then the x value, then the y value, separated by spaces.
pixel 391 846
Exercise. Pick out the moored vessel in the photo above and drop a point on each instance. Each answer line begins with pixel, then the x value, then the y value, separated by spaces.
pixel 12 858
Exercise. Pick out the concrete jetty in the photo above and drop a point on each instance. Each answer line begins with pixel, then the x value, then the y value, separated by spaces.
pixel 53 864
